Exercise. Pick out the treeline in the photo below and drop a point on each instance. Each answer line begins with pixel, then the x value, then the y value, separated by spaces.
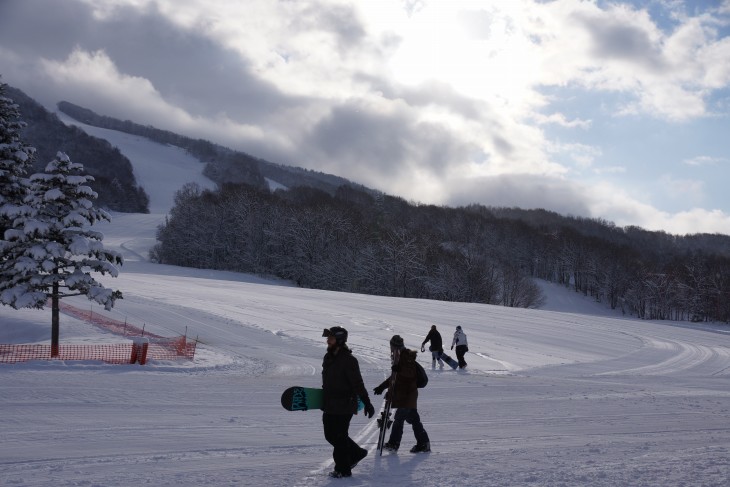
pixel 114 179
pixel 383 245
pixel 351 242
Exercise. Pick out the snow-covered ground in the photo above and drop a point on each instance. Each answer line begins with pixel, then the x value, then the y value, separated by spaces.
pixel 573 394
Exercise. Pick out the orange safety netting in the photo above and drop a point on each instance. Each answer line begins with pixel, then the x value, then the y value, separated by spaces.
pixel 159 347
pixel 116 353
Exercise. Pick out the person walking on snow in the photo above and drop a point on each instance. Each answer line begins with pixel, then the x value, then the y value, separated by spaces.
pixel 403 393
pixel 461 346
pixel 342 384
pixel 436 348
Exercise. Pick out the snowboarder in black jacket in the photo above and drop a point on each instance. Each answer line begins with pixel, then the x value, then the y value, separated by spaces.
pixel 342 384
pixel 436 348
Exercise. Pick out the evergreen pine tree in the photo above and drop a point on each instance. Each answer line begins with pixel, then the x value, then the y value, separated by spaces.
pixel 15 161
pixel 50 252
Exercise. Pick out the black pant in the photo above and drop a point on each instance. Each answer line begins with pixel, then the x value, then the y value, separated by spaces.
pixel 460 352
pixel 411 417
pixel 336 432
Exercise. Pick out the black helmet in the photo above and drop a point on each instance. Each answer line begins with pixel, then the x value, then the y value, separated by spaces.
pixel 396 341
pixel 338 332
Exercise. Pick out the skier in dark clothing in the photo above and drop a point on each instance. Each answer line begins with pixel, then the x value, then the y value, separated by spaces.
pixel 342 384
pixel 404 396
pixel 436 348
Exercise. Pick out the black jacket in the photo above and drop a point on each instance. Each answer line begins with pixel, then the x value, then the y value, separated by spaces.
pixel 436 342
pixel 342 382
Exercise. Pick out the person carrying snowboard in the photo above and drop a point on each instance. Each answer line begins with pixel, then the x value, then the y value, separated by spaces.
pixel 342 384
pixel 404 395
pixel 436 348
pixel 461 346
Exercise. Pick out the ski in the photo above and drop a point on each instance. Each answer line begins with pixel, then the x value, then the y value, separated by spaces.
pixel 384 422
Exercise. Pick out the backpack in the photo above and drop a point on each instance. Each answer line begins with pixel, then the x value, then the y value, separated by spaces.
pixel 421 377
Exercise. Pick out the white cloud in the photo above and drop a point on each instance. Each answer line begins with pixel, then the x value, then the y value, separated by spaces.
pixel 684 189
pixel 615 204
pixel 434 100
pixel 561 119
pixel 705 161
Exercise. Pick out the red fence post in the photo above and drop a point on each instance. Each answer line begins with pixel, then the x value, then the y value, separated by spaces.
pixel 133 358
pixel 139 350
pixel 143 356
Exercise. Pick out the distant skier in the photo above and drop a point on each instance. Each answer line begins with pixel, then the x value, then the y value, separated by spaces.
pixel 461 346
pixel 436 348
pixel 342 384
pixel 404 394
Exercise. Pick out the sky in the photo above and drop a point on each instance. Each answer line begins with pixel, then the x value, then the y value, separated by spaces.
pixel 611 110
pixel 573 394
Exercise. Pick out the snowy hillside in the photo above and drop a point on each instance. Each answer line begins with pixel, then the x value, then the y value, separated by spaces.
pixel 573 394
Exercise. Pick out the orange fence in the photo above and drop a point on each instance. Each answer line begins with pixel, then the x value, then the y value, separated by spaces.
pixel 116 353
pixel 145 346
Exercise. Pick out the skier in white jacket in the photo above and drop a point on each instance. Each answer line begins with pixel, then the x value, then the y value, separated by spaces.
pixel 461 346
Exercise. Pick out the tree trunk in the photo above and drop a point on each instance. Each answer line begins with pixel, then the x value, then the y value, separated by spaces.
pixel 54 321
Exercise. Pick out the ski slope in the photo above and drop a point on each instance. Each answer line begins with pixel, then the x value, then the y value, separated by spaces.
pixel 573 394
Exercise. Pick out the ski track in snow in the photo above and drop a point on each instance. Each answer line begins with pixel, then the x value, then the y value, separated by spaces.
pixel 572 395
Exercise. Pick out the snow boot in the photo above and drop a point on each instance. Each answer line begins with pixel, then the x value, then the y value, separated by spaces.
pixel 422 448
pixel 358 456
pixel 391 447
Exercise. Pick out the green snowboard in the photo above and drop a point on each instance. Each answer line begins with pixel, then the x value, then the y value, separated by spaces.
pixel 305 398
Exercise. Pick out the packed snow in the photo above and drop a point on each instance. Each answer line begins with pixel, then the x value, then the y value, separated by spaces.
pixel 572 394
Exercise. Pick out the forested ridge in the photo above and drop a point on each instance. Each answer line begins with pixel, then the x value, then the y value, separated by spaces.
pixel 325 232
pixel 114 179
pixel 356 242
pixel 222 164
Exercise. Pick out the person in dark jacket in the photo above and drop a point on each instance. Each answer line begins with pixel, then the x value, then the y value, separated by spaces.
pixel 403 392
pixel 436 348
pixel 342 384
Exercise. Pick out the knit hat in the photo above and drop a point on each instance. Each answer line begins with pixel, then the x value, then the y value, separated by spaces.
pixel 396 341
pixel 458 327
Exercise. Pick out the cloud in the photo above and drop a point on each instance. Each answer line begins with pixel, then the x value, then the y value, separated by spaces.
pixel 521 190
pixel 602 201
pixel 684 189
pixel 705 161
pixel 622 49
pixel 436 101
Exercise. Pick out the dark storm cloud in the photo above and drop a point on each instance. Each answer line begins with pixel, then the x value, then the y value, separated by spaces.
pixel 523 191
pixel 381 146
pixel 613 39
pixel 41 27
pixel 350 136
pixel 430 93
pixel 187 68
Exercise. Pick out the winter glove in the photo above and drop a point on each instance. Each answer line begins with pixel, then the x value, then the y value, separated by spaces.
pixel 378 390
pixel 423 349
pixel 369 410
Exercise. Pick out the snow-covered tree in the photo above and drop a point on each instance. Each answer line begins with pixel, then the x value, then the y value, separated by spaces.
pixel 15 162
pixel 51 252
